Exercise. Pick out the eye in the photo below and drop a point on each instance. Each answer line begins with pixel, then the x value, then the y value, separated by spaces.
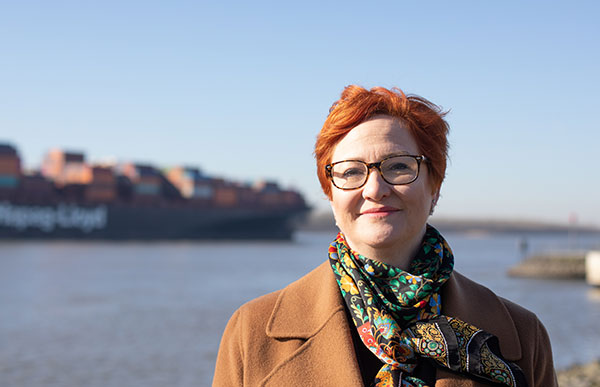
pixel 352 172
pixel 398 167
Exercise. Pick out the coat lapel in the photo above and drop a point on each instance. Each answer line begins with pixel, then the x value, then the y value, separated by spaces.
pixel 479 306
pixel 469 301
pixel 311 309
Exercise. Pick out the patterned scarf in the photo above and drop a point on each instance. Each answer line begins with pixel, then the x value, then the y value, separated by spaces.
pixel 398 316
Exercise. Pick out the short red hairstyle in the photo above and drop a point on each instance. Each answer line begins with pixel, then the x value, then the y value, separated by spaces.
pixel 424 120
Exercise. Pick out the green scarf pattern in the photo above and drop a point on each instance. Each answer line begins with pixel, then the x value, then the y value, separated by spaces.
pixel 398 317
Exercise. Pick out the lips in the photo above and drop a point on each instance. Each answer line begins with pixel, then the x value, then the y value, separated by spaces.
pixel 385 210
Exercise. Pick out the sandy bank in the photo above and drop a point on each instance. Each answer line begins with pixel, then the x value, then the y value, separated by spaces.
pixel 587 375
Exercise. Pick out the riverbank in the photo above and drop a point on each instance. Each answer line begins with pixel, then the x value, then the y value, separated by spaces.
pixel 587 375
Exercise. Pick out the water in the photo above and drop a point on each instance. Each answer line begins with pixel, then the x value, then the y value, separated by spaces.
pixel 151 314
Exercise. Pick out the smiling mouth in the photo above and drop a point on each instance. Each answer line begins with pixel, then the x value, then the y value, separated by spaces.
pixel 380 211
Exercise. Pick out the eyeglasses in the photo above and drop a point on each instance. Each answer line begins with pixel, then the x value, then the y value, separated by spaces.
pixel 395 170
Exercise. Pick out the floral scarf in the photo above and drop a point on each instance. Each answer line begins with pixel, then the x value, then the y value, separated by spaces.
pixel 398 316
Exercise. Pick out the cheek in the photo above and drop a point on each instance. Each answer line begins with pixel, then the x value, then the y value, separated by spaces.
pixel 344 205
pixel 416 198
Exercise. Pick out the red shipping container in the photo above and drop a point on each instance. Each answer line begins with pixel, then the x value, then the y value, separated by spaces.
pixel 10 165
pixel 103 175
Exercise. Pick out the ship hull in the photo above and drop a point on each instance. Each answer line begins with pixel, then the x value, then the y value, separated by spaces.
pixel 125 222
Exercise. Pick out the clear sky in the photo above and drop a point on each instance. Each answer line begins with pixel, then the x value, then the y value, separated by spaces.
pixel 241 89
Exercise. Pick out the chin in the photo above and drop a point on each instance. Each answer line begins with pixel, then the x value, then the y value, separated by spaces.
pixel 382 237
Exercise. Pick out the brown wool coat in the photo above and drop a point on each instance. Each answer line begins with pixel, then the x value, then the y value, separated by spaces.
pixel 300 336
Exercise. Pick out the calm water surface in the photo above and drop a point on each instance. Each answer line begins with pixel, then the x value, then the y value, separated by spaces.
pixel 151 314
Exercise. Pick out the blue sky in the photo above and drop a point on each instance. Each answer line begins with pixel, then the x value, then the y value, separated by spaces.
pixel 241 89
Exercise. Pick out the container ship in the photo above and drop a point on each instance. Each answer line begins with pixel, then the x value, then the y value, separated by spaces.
pixel 68 198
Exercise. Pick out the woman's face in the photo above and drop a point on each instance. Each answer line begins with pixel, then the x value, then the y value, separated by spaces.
pixel 379 216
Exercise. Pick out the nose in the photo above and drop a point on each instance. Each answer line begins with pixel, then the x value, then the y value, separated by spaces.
pixel 375 188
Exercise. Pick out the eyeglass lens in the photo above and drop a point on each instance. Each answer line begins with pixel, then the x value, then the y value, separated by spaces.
pixel 394 170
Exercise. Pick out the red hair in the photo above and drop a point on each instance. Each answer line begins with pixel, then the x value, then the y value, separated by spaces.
pixel 424 120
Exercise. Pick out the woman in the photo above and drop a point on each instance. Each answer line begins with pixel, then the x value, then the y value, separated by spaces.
pixel 386 308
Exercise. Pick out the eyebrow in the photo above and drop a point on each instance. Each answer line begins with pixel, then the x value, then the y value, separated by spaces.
pixel 386 155
pixel 399 153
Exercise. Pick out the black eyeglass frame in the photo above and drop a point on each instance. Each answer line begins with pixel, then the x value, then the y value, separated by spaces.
pixel 377 165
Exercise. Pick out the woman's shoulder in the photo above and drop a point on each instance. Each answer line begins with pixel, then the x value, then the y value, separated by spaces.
pixel 522 337
pixel 465 294
pixel 293 299
pixel 256 307
pixel 516 327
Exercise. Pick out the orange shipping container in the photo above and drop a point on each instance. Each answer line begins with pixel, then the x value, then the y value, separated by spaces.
pixel 225 196
pixel 75 173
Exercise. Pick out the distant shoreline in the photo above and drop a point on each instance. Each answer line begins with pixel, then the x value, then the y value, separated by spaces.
pixel 323 221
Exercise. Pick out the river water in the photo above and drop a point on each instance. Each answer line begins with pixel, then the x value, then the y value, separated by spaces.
pixel 151 314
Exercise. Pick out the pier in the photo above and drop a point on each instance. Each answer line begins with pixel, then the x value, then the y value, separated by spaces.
pixel 577 265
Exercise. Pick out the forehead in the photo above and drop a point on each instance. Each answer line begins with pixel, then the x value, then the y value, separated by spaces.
pixel 375 139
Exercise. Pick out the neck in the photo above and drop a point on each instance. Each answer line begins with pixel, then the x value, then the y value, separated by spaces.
pixel 399 255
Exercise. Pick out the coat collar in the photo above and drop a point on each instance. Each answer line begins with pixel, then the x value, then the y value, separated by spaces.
pixel 312 309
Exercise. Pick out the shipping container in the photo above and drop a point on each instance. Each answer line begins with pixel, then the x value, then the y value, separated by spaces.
pixel 103 187
pixel 191 183
pixel 135 201
pixel 225 196
pixel 145 179
pixel 73 192
pixel 10 168
pixel 8 150
pixel 141 188
pixel 203 191
pixel 104 194
pixel 34 189
pixel 52 164
pixel 266 186
pixel 292 198
pixel 148 185
pixel 72 157
pixel 247 196
pixel 65 168
pixel 75 173
pixel 103 175
pixel 271 198
pixel 8 181
pixel 10 165
pixel 179 180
